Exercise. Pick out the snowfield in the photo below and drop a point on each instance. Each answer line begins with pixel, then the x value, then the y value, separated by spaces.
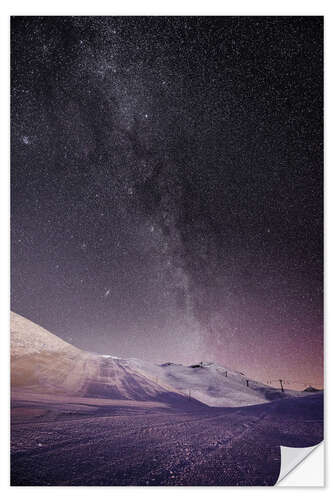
pixel 80 418
pixel 210 383
pixel 42 362
pixel 93 442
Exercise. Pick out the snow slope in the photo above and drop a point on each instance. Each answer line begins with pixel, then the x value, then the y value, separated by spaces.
pixel 211 383
pixel 42 362
pixel 29 338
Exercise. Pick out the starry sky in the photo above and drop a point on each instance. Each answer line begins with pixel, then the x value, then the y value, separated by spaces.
pixel 166 188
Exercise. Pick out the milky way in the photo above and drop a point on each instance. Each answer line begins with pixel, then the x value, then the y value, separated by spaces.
pixel 167 187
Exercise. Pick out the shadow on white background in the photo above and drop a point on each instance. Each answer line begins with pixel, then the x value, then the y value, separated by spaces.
pixel 302 466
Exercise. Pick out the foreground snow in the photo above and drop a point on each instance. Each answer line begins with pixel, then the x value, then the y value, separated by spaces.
pixel 57 442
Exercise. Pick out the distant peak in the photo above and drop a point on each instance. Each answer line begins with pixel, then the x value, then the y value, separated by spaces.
pixel 311 389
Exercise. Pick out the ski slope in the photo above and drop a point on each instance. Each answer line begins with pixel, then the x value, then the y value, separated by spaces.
pixel 42 362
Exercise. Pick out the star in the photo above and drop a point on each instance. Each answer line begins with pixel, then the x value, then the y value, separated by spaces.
pixel 157 159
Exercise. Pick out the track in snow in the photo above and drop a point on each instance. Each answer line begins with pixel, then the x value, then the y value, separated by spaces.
pixel 137 444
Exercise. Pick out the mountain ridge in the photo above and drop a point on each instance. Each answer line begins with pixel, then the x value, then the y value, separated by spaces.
pixel 41 361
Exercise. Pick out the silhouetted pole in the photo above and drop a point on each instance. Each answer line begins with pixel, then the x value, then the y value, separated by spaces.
pixel 282 389
pixel 226 374
pixel 247 383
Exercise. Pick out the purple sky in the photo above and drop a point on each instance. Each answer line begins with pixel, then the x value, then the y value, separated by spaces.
pixel 167 188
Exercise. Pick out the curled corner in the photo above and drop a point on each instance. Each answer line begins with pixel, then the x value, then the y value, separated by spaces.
pixel 291 458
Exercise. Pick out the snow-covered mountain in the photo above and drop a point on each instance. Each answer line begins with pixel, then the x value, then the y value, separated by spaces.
pixel 44 363
pixel 41 361
pixel 210 383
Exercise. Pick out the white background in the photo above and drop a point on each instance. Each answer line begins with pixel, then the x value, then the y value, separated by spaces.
pixel 143 7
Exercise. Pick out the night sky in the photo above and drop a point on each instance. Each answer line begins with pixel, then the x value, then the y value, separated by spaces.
pixel 166 187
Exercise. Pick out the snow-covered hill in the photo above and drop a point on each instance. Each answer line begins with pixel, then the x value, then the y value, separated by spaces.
pixel 210 383
pixel 44 363
pixel 41 362
pixel 29 338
